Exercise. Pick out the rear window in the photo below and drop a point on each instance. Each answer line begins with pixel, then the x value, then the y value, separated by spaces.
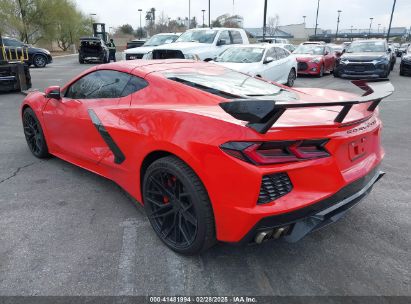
pixel 226 83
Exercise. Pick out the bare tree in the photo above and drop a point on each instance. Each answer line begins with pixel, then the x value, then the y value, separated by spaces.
pixel 272 25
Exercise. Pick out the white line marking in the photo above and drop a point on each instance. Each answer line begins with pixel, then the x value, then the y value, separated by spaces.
pixel 126 265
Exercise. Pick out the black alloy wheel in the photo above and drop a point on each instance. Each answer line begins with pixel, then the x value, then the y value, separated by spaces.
pixel 39 61
pixel 178 207
pixel 34 134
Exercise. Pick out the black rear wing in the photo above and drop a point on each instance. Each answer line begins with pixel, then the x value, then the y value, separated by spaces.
pixel 262 114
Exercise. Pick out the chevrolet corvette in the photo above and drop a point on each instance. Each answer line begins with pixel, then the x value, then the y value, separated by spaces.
pixel 211 153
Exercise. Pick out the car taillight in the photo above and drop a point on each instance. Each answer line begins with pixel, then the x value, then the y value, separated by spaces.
pixel 276 152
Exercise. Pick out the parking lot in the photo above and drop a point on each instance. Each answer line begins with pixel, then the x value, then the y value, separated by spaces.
pixel 66 231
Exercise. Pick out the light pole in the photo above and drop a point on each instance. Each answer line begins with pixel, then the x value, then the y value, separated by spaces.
pixel 203 10
pixel 392 13
pixel 209 13
pixel 338 23
pixel 189 14
pixel 316 19
pixel 351 34
pixel 304 19
pixel 378 30
pixel 140 30
pixel 265 20
pixel 369 31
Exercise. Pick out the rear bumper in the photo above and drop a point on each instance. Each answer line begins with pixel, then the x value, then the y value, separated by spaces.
pixel 293 226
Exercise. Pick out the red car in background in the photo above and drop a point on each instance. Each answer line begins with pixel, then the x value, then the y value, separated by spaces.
pixel 214 154
pixel 315 59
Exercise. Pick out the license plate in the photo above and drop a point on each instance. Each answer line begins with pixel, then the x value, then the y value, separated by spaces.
pixel 357 148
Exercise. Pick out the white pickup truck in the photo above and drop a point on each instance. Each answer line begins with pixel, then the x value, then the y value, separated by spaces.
pixel 200 43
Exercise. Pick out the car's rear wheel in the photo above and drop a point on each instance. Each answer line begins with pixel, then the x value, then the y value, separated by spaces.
pixel 80 60
pixel 291 78
pixel 178 207
pixel 39 61
pixel 34 134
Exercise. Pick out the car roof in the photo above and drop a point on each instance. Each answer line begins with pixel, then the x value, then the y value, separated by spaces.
pixel 214 28
pixel 163 34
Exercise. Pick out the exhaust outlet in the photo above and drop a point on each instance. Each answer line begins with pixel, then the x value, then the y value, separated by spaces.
pixel 270 234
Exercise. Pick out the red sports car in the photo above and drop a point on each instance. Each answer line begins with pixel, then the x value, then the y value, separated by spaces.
pixel 315 59
pixel 214 154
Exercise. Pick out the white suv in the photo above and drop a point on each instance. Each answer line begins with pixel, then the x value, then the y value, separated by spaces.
pixel 149 45
pixel 200 43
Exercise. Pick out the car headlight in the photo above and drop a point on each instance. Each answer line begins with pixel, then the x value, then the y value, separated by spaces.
pixel 381 60
pixel 316 60
pixel 191 56
pixel 47 52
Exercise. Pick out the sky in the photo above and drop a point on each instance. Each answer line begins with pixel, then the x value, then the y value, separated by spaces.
pixel 354 12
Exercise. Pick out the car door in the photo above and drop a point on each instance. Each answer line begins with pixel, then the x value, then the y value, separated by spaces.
pixel 69 121
pixel 224 36
pixel 329 58
pixel 271 65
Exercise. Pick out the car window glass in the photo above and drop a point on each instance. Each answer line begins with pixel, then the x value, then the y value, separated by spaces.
pixel 11 42
pixel 104 84
pixel 280 53
pixel 225 36
pixel 236 37
pixel 271 53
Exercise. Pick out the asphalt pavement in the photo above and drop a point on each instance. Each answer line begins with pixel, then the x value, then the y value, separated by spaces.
pixel 66 231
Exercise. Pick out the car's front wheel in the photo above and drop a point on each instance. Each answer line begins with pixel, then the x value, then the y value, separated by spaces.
pixel 178 207
pixel 34 134
pixel 291 78
pixel 39 61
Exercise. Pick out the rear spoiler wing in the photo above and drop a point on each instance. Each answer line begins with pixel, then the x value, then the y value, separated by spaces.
pixel 262 114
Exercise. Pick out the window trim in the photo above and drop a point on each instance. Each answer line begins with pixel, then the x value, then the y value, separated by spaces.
pixel 67 88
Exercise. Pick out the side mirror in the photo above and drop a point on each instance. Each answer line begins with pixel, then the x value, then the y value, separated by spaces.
pixel 268 60
pixel 53 92
pixel 326 53
pixel 221 42
pixel 389 50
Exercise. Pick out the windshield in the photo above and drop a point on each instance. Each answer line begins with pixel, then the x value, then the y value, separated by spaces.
pixel 366 47
pixel 160 39
pixel 311 49
pixel 238 54
pixel 202 36
pixel 224 82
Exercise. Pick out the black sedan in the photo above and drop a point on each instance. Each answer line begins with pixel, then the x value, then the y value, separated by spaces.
pixel 365 58
pixel 405 66
pixel 36 56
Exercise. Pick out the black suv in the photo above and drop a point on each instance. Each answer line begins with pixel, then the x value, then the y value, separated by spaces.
pixel 37 56
pixel 93 49
pixel 365 58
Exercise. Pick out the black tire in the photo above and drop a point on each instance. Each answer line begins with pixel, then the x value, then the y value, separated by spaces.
pixel 80 60
pixel 321 74
pixel 292 76
pixel 178 207
pixel 336 73
pixel 402 72
pixel 39 61
pixel 34 134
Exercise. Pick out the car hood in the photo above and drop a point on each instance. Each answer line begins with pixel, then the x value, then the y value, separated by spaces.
pixel 363 56
pixel 306 57
pixel 248 68
pixel 139 50
pixel 38 50
pixel 183 46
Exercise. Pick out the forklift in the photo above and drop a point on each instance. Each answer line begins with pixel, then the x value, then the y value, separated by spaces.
pixel 14 72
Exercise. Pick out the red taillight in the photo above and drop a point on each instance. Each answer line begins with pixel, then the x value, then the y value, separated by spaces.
pixel 276 152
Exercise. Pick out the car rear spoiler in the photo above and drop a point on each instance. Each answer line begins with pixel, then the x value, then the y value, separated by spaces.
pixel 262 114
